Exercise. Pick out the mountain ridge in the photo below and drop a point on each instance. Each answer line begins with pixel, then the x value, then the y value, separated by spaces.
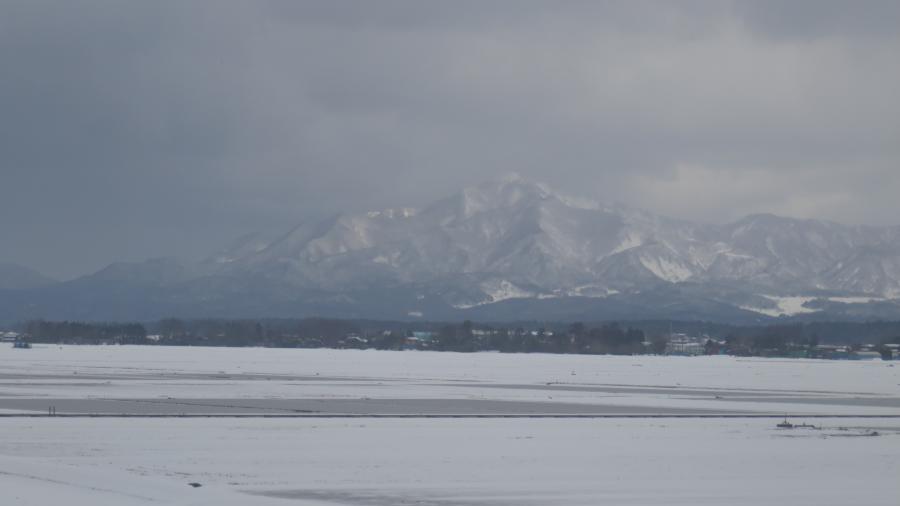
pixel 517 240
pixel 16 277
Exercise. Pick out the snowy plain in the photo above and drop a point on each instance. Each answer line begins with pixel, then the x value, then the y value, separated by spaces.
pixel 448 461
pixel 720 383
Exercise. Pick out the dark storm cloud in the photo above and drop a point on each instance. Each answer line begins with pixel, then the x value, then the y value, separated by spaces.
pixel 136 129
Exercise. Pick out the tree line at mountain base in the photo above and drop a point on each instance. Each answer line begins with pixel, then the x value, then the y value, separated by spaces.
pixel 629 338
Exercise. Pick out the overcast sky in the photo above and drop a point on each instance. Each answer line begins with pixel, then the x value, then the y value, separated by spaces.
pixel 140 129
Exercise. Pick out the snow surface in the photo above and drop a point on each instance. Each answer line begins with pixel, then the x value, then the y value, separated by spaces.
pixel 856 300
pixel 665 269
pixel 504 290
pixel 445 462
pixel 787 306
pixel 448 462
pixel 137 371
pixel 629 241
pixel 790 306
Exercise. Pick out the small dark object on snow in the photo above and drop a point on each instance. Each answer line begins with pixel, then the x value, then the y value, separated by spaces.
pixel 195 484
pixel 785 424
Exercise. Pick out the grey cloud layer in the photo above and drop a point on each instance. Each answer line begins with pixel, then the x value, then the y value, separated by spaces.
pixel 143 129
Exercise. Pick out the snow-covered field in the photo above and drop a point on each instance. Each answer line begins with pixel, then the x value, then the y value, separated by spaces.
pixel 718 384
pixel 445 461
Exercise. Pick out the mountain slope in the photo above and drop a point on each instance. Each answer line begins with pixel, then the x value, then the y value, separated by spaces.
pixel 18 277
pixel 516 245
pixel 526 235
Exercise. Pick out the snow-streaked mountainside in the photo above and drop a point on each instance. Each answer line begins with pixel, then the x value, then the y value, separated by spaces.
pixel 516 249
pixel 514 238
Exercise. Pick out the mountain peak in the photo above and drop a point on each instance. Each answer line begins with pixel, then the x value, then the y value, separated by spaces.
pixel 514 238
pixel 514 189
pixel 511 177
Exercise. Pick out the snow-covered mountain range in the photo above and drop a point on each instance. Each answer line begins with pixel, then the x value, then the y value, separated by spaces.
pixel 513 248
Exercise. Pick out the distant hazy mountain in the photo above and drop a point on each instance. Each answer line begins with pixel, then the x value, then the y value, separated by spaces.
pixel 18 277
pixel 514 249
pixel 153 272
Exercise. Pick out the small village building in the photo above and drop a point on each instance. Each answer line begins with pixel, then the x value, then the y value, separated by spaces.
pixel 9 337
pixel 684 345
